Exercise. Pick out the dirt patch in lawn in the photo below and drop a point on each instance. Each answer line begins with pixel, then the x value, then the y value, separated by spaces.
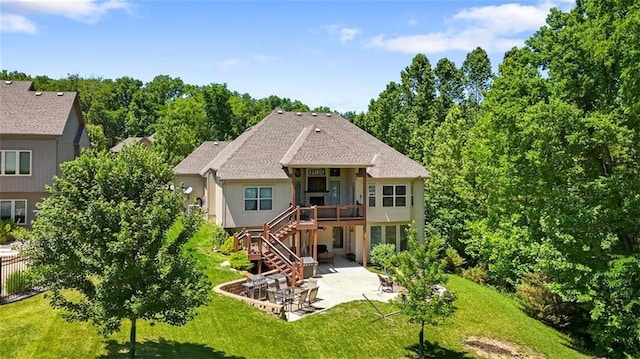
pixel 499 349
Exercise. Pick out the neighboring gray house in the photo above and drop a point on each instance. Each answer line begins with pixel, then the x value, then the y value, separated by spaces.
pixel 333 184
pixel 38 131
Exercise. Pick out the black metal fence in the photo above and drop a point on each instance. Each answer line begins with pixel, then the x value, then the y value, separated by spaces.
pixel 15 280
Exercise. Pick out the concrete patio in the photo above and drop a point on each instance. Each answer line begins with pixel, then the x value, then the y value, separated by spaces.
pixel 342 282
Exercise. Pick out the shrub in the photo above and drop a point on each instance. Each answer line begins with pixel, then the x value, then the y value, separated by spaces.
pixel 239 261
pixel 227 247
pixel 476 274
pixel 383 255
pixel 218 236
pixel 540 303
pixel 19 282
pixel 453 261
pixel 10 231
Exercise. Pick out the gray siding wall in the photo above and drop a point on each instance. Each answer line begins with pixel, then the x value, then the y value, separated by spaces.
pixel 66 148
pixel 43 166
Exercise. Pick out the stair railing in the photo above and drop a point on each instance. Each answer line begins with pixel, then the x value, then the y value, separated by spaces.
pixel 283 219
pixel 286 255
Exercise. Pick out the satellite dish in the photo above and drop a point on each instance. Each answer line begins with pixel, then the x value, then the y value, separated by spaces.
pixel 187 190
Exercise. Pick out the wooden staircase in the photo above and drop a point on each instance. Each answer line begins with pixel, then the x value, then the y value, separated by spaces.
pixel 267 245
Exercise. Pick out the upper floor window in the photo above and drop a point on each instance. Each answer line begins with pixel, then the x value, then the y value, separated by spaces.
pixel 15 163
pixel 394 196
pixel 14 209
pixel 372 196
pixel 258 198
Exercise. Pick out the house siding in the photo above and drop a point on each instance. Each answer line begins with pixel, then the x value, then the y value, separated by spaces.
pixel 196 182
pixel 233 206
pixel 43 165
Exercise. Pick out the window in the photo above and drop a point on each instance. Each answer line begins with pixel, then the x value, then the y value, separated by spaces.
pixel 334 192
pixel 258 198
pixel 393 234
pixel 338 239
pixel 15 209
pixel 376 235
pixel 372 196
pixel 14 163
pixel 403 237
pixel 394 196
pixel 390 235
pixel 334 172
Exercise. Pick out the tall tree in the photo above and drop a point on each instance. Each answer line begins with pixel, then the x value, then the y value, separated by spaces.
pixel 450 86
pixel 476 69
pixel 102 243
pixel 557 152
pixel 219 113
pixel 418 84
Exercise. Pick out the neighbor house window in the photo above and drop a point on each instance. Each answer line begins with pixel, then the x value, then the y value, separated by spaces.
pixel 372 196
pixel 394 196
pixel 14 163
pixel 14 209
pixel 258 198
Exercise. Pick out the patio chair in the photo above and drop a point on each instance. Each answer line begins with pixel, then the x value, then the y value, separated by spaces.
pixel 386 283
pixel 282 283
pixel 271 294
pixel 379 313
pixel 313 293
pixel 311 283
pixel 301 299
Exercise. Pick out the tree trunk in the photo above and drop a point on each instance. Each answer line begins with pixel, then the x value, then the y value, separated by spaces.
pixel 421 351
pixel 132 339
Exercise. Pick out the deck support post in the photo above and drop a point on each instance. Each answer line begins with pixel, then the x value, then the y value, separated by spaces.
pixel 365 195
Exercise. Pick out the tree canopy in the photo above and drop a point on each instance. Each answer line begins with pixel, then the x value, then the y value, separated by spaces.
pixel 109 242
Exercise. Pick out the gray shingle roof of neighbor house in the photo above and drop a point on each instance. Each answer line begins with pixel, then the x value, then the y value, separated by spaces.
pixel 24 111
pixel 130 141
pixel 199 158
pixel 290 139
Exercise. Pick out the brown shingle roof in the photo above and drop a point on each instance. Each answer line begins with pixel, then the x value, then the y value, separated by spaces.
pixel 286 138
pixel 200 157
pixel 27 112
pixel 132 140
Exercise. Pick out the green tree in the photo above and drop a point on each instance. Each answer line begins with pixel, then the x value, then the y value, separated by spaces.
pixel 182 127
pixel 421 272
pixel 219 120
pixel 450 86
pixel 96 136
pixel 476 69
pixel 102 243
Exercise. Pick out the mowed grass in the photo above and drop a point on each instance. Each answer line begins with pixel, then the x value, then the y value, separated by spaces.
pixel 226 328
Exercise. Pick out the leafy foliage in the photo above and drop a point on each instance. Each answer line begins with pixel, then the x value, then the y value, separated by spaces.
pixel 227 247
pixel 541 303
pixel 19 282
pixel 10 231
pixel 383 254
pixel 240 261
pixel 101 243
pixel 421 272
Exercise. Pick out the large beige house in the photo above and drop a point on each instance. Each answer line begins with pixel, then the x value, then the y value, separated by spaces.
pixel 307 180
pixel 38 131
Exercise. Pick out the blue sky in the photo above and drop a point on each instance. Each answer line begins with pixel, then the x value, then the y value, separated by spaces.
pixel 336 54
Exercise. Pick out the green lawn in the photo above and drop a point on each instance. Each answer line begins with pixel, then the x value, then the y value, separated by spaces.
pixel 227 328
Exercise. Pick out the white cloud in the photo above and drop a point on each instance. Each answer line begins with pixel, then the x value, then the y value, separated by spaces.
pixel 348 33
pixel 88 11
pixel 16 23
pixel 343 33
pixel 228 64
pixel 493 27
